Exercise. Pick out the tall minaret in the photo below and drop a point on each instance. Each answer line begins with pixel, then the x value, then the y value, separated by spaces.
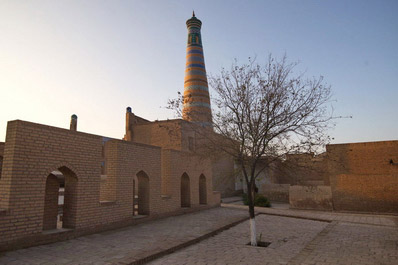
pixel 196 91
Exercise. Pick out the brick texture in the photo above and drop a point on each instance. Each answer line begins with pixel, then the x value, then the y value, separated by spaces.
pixel 1 156
pixel 311 197
pixel 51 203
pixel 362 177
pixel 99 182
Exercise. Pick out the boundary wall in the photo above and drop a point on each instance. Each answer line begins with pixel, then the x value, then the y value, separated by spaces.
pixel 358 176
pixel 364 176
pixel 100 178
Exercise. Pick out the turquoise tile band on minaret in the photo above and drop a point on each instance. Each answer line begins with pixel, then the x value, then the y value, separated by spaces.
pixel 197 106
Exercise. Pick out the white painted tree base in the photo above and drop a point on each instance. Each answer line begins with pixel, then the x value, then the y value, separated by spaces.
pixel 253 240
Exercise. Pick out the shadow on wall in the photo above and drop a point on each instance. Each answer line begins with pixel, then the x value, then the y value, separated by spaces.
pixel 185 191
pixel 60 209
pixel 141 194
pixel 202 190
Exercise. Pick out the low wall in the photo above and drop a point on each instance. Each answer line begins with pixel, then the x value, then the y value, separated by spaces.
pixel 311 197
pixel 366 193
pixel 276 192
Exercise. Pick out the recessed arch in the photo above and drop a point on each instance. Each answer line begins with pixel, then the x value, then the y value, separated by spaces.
pixel 185 191
pixel 62 166
pixel 141 193
pixel 60 199
pixel 202 190
pixel 51 202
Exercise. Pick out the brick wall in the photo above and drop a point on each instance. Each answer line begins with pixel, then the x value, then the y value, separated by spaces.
pixel 1 156
pixel 173 136
pixel 175 164
pixel 108 182
pixel 310 197
pixel 275 192
pixel 176 135
pixel 129 160
pixel 51 203
pixel 362 158
pixel 2 148
pixel 362 178
pixel 224 175
pixel 166 134
pixel 301 169
pixel 28 190
pixel 368 193
pixel 32 152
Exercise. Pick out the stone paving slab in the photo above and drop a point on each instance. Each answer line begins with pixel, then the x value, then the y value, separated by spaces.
pixel 124 246
pixel 295 241
pixel 371 219
pixel 311 237
pixel 288 236
pixel 349 243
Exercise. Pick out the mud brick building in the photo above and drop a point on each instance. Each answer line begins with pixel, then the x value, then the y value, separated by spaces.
pixel 347 177
pixel 57 184
pixel 105 183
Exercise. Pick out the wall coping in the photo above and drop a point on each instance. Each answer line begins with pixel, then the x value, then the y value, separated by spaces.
pixel 365 143
pixel 56 128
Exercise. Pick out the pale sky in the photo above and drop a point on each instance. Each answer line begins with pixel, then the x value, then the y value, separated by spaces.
pixel 95 58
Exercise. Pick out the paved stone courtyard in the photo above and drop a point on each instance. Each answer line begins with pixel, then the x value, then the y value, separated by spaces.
pixel 288 237
pixel 295 241
pixel 124 246
pixel 330 238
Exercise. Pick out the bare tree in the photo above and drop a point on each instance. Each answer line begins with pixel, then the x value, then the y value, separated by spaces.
pixel 261 113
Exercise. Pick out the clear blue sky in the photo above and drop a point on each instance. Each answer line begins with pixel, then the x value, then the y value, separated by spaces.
pixel 95 58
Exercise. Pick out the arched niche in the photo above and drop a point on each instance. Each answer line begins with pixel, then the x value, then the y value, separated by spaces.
pixel 185 191
pixel 141 193
pixel 202 190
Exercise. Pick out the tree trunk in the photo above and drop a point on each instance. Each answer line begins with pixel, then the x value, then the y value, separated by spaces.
pixel 253 239
pixel 250 195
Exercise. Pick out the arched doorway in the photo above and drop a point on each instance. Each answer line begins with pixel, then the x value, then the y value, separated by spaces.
pixel 202 190
pixel 50 216
pixel 185 191
pixel 60 200
pixel 141 194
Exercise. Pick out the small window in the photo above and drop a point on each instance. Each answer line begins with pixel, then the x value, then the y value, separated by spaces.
pixel 191 145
